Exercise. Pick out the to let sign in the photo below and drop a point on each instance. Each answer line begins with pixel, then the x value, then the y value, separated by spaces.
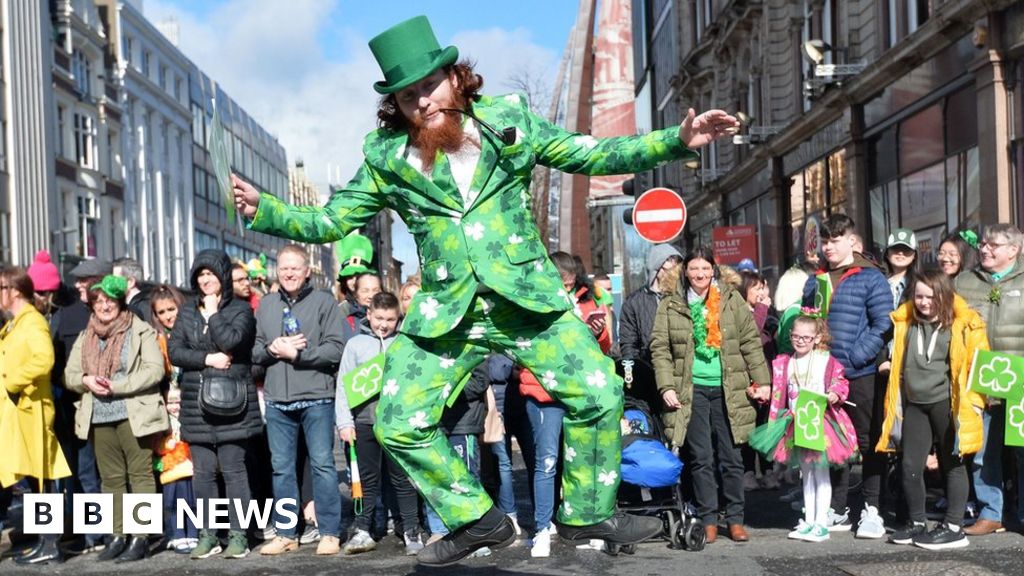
pixel 734 243
pixel 659 215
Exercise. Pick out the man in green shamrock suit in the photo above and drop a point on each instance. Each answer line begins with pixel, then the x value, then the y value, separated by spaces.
pixel 462 187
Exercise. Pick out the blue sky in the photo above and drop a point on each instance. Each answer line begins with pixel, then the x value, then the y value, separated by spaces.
pixel 303 70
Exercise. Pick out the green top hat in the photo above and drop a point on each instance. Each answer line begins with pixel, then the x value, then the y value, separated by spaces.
pixel 407 53
pixel 114 287
pixel 355 251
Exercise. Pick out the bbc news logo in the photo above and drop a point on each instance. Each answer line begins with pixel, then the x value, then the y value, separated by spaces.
pixel 144 513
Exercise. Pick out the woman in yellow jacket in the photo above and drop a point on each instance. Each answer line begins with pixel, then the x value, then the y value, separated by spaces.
pixel 935 337
pixel 30 448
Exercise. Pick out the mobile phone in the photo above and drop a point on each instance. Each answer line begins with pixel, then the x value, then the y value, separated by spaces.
pixel 595 314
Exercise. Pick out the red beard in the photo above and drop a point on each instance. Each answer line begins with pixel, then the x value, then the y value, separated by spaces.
pixel 448 137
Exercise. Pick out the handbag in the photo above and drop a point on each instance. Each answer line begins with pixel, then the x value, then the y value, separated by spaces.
pixel 494 424
pixel 223 396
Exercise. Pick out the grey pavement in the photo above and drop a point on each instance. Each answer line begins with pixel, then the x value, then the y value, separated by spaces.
pixel 768 552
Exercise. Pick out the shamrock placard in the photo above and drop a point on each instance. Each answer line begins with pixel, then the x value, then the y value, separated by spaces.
pixel 997 374
pixel 809 424
pixel 363 382
pixel 1015 421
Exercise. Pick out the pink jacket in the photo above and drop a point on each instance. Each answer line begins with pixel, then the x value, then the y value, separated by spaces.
pixel 783 396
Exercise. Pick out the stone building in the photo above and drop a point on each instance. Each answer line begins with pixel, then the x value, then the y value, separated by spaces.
pixel 898 113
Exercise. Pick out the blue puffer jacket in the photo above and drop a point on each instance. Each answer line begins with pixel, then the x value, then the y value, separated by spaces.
pixel 858 318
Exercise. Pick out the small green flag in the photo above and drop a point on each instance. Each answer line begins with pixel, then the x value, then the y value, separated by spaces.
pixel 809 424
pixel 363 382
pixel 823 296
pixel 220 156
pixel 997 374
pixel 1015 421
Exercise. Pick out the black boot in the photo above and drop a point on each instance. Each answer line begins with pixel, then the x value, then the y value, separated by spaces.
pixel 46 552
pixel 114 548
pixel 621 529
pixel 494 529
pixel 138 548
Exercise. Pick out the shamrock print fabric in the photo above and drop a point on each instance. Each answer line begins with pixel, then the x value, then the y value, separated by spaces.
pixel 489 239
pixel 420 374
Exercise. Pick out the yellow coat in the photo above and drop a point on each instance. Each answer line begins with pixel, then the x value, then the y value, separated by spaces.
pixel 26 401
pixel 967 335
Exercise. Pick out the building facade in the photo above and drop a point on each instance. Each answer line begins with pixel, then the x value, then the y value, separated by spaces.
pixel 87 140
pixel 302 192
pixel 156 124
pixel 28 204
pixel 255 155
pixel 897 113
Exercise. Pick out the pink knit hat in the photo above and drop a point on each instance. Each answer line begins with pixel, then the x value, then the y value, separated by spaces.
pixel 43 273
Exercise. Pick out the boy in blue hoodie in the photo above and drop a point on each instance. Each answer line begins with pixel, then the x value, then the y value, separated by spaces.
pixel 355 425
pixel 855 296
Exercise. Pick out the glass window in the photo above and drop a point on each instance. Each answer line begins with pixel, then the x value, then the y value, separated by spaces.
pixel 961 120
pixel 837 179
pixel 921 141
pixel 882 157
pixel 923 198
pixel 796 199
pixel 814 181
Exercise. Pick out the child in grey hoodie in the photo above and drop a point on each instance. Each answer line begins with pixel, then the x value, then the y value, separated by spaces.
pixel 355 426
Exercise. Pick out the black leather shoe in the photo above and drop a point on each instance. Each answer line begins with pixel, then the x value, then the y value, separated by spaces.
pixel 137 549
pixel 620 529
pixel 468 539
pixel 114 548
pixel 47 552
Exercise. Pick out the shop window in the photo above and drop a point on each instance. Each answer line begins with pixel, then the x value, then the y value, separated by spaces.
pixel 882 157
pixel 796 199
pixel 883 210
pixel 961 120
pixel 921 140
pixel 923 198
pixel 815 186
pixel 837 179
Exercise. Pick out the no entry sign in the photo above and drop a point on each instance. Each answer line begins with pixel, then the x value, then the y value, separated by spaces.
pixel 659 215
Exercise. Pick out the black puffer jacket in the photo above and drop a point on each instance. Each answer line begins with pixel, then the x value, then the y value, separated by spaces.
pixel 231 330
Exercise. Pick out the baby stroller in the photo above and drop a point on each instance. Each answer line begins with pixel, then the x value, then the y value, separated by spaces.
pixel 650 479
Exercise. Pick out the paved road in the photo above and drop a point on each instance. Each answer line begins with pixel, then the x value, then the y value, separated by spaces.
pixel 768 552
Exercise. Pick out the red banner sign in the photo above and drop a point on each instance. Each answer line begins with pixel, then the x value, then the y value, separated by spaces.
pixel 734 243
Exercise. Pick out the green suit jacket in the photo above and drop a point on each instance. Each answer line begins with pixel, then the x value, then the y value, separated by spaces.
pixel 493 241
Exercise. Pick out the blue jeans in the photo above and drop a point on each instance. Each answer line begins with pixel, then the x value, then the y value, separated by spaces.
pixel 506 491
pixel 467 448
pixel 317 423
pixel 546 421
pixel 988 465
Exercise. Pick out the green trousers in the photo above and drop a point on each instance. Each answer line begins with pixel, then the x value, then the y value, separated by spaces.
pixel 125 463
pixel 420 374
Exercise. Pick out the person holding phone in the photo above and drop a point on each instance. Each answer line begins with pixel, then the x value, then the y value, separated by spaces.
pixel 545 413
pixel 117 366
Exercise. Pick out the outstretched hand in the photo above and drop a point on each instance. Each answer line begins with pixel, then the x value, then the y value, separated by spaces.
pixel 247 198
pixel 698 130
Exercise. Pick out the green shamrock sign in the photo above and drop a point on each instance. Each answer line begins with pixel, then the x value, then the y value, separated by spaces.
pixel 1015 421
pixel 996 374
pixel 809 425
pixel 364 382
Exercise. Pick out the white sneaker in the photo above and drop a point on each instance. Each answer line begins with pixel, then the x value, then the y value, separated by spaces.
pixel 541 544
pixel 750 481
pixel 801 531
pixel 361 541
pixel 870 524
pixel 838 522
pixel 817 534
